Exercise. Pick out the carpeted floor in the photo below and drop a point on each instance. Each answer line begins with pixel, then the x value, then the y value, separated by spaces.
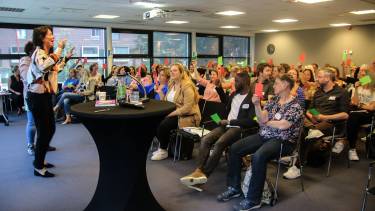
pixel 77 163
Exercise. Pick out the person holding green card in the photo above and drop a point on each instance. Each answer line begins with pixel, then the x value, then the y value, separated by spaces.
pixel 363 101
pixel 330 103
pixel 241 113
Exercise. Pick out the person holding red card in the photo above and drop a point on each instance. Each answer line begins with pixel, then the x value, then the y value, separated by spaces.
pixel 263 85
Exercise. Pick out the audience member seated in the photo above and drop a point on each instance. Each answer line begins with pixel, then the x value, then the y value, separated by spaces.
pixel 280 121
pixel 241 116
pixel 112 81
pixel 95 75
pixel 332 104
pixel 85 90
pixel 211 86
pixel 309 85
pixel 363 103
pixel 15 87
pixel 338 80
pixel 71 83
pixel 228 80
pixel 276 72
pixel 183 93
pixel 161 84
pixel 297 90
pixel 264 73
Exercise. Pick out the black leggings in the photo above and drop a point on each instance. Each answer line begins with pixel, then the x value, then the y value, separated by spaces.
pixel 164 130
pixel 41 108
pixel 356 119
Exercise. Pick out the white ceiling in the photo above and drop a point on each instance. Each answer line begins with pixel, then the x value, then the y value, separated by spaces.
pixel 259 14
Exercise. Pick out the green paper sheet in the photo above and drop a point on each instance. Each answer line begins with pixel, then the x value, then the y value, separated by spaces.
pixel 314 112
pixel 365 80
pixel 255 118
pixel 215 117
pixel 220 60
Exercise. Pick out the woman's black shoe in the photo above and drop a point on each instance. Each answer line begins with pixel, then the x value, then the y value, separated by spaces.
pixel 46 174
pixel 49 165
pixel 50 148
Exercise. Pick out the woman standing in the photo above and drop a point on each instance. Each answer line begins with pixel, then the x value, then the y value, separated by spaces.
pixel 16 89
pixel 183 93
pixel 42 84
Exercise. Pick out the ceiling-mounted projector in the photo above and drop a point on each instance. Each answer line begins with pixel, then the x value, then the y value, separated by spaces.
pixel 154 13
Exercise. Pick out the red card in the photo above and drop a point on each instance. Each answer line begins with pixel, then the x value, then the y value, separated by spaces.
pixel 259 90
pixel 104 66
pixel 270 62
pixel 302 58
pixel 166 61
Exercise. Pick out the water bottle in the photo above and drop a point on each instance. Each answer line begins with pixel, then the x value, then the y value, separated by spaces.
pixel 121 90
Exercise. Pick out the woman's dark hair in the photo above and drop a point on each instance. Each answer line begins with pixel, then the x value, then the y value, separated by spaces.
pixel 39 34
pixel 92 66
pixel 285 67
pixel 201 70
pixel 288 79
pixel 29 48
pixel 127 69
pixel 244 76
pixel 311 75
pixel 15 68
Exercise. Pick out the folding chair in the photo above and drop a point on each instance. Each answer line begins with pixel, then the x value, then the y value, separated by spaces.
pixel 296 156
pixel 368 190
pixel 332 142
pixel 370 135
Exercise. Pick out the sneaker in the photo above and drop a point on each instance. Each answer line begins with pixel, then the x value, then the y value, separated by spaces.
pixel 196 178
pixel 292 173
pixel 161 154
pixel 339 146
pixel 229 194
pixel 246 205
pixel 353 156
pixel 30 149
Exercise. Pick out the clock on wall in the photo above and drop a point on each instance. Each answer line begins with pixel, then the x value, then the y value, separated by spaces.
pixel 270 49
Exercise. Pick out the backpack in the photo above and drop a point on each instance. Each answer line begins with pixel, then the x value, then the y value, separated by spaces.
pixel 318 152
pixel 268 194
pixel 186 143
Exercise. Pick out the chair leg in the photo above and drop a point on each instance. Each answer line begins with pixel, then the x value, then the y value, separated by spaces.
pixel 347 156
pixel 364 202
pixel 330 152
pixel 175 147
pixel 301 178
pixel 278 170
pixel 179 147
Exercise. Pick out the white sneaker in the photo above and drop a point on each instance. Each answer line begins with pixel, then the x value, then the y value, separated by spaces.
pixel 339 146
pixel 353 156
pixel 292 173
pixel 160 154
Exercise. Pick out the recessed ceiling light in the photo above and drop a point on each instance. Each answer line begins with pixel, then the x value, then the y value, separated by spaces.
pixel 363 12
pixel 340 24
pixel 230 13
pixel 270 30
pixel 106 16
pixel 147 4
pixel 286 20
pixel 311 1
pixel 229 27
pixel 177 22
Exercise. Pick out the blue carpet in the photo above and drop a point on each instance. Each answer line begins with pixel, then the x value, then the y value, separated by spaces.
pixel 77 168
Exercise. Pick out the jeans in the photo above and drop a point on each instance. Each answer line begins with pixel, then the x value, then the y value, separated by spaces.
pixel 218 139
pixel 263 151
pixel 164 130
pixel 41 107
pixel 356 119
pixel 30 128
pixel 67 99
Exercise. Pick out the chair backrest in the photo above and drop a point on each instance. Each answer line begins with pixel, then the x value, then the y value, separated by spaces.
pixel 209 108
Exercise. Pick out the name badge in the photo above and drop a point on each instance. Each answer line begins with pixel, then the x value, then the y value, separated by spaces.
pixel 245 106
pixel 277 116
pixel 332 98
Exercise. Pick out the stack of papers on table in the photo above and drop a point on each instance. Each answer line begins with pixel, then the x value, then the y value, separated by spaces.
pixel 105 103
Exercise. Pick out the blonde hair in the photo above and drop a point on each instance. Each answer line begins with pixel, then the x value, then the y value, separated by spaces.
pixel 184 80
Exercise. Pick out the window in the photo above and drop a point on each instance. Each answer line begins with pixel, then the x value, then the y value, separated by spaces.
pixel 21 34
pixel 171 44
pixel 132 62
pixel 90 51
pixel 169 61
pixel 5 73
pixel 236 46
pixel 135 42
pixel 115 36
pixel 208 45
pixel 95 33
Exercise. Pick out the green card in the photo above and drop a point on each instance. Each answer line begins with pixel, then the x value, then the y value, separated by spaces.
pixel 314 112
pixel 215 117
pixel 220 60
pixel 365 80
pixel 194 56
pixel 255 118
